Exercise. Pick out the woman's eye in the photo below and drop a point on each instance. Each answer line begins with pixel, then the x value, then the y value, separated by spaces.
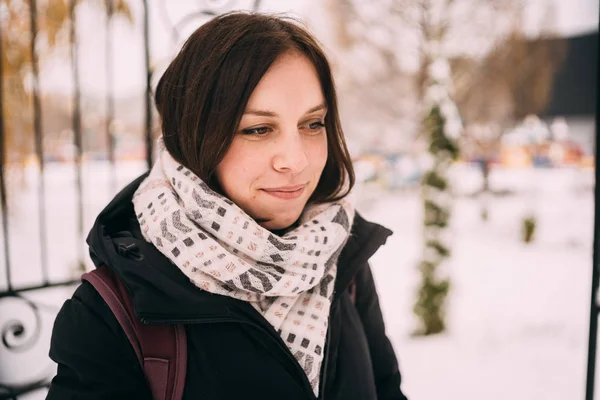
pixel 316 126
pixel 260 131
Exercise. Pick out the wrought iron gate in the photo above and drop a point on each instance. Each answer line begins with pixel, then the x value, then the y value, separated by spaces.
pixel 23 312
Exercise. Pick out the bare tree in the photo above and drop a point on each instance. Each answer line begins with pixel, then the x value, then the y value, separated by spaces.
pixel 51 35
pixel 382 45
pixel 383 35
pixel 512 81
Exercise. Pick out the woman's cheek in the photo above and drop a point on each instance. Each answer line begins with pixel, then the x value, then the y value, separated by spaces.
pixel 320 152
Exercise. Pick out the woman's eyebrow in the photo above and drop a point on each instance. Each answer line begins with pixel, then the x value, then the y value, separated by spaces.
pixel 260 113
pixel 267 113
pixel 320 107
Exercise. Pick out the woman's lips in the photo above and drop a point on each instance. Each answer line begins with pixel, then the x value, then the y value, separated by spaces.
pixel 286 193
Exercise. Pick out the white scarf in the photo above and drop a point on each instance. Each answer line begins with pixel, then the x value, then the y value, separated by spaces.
pixel 222 250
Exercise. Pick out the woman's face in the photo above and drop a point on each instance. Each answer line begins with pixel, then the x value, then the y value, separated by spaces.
pixel 280 147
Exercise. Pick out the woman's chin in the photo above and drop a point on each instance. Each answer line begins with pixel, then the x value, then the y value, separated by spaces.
pixel 280 222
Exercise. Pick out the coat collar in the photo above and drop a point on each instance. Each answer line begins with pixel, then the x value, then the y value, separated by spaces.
pixel 160 291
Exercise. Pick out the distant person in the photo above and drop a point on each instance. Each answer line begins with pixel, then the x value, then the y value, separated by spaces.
pixel 243 233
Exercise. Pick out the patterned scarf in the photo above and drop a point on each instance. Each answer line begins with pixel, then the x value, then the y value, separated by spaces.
pixel 222 250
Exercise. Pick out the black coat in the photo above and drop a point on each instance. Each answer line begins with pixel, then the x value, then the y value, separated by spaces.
pixel 233 352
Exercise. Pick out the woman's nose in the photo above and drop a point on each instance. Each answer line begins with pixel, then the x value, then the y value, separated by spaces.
pixel 290 155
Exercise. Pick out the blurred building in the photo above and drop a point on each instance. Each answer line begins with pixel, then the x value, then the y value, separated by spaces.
pixel 574 90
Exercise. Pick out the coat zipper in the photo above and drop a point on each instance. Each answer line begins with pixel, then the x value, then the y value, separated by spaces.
pixel 326 350
pixel 325 362
pixel 275 337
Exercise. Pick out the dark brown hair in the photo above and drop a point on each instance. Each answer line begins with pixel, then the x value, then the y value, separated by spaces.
pixel 202 95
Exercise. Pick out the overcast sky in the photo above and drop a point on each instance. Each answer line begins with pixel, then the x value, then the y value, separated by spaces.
pixel 572 17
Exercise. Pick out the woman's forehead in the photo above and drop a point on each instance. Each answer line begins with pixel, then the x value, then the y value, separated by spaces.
pixel 291 82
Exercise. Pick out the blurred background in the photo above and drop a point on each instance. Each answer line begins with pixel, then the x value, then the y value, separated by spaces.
pixel 472 127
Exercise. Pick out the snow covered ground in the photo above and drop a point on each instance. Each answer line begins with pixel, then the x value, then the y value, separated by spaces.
pixel 518 314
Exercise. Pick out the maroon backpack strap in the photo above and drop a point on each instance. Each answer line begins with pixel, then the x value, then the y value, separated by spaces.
pixel 161 349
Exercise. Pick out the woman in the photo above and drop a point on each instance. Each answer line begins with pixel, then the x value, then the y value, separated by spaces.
pixel 243 232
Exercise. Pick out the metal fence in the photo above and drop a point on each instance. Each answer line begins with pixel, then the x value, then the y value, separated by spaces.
pixel 19 338
pixel 594 298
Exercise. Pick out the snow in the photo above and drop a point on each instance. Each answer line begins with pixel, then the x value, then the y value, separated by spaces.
pixel 63 243
pixel 517 317
pixel 518 314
